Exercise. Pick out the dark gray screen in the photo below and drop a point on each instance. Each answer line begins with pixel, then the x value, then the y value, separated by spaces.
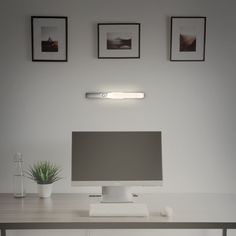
pixel 116 156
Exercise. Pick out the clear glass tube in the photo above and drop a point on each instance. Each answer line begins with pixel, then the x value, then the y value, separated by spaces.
pixel 19 190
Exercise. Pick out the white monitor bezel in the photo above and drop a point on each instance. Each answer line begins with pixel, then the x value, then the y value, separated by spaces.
pixel 118 183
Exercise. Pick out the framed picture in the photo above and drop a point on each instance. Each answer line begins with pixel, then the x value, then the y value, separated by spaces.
pixel 188 37
pixel 118 40
pixel 49 38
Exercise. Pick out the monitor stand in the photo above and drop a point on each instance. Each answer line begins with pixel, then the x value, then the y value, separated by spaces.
pixel 117 201
pixel 118 194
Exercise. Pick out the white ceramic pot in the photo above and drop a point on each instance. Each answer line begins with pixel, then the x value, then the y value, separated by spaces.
pixel 44 190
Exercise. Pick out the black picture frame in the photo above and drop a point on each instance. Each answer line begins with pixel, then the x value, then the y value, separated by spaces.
pixel 118 40
pixel 44 47
pixel 188 38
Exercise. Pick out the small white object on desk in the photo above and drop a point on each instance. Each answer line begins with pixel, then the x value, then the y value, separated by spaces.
pixel 167 211
pixel 118 209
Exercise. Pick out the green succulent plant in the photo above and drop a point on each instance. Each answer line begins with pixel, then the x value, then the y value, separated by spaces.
pixel 44 172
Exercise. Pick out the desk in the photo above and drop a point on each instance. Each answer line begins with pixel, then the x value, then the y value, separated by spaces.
pixel 70 211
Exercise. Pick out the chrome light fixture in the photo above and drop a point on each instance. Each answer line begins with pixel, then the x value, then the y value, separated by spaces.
pixel 115 95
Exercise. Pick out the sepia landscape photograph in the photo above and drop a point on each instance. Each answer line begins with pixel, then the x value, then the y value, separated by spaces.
pixel 117 40
pixel 187 43
pixel 49 43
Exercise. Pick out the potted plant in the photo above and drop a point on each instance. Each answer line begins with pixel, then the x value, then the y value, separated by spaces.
pixel 45 174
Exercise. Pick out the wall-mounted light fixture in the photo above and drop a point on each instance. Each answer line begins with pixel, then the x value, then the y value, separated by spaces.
pixel 115 95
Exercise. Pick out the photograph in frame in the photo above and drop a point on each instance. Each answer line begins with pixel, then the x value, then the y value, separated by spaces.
pixel 49 38
pixel 118 40
pixel 188 36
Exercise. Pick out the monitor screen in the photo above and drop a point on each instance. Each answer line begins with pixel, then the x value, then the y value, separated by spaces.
pixel 116 156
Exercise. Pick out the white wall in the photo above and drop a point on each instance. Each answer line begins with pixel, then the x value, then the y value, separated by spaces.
pixel 192 103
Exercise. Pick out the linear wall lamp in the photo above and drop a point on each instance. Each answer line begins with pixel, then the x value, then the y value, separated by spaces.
pixel 115 95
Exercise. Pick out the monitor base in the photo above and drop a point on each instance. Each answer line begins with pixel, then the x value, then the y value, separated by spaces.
pixel 118 209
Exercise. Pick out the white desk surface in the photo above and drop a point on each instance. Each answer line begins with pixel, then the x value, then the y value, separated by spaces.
pixel 70 208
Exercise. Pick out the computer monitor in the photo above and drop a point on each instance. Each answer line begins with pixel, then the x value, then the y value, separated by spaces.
pixel 116 161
